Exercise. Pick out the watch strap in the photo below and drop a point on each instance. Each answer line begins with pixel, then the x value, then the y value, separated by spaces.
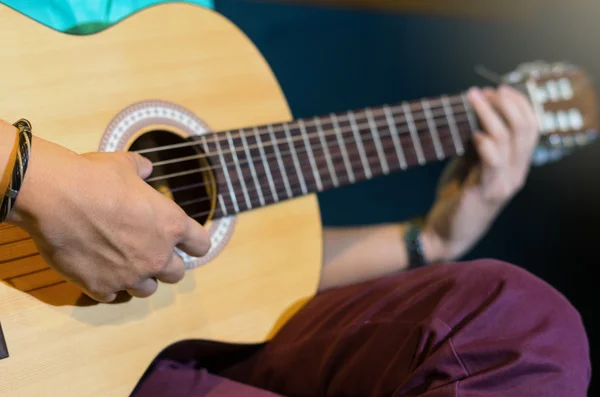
pixel 414 246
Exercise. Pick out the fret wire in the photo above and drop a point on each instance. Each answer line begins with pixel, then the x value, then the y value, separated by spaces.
pixel 280 162
pixel 227 177
pixel 417 113
pixel 204 144
pixel 266 165
pixel 433 130
pixel 327 153
pixel 374 156
pixel 395 137
pixel 414 133
pixel 472 121
pixel 453 126
pixel 322 159
pixel 295 158
pixel 219 196
pixel 203 169
pixel 342 144
pixel 222 203
pixel 359 143
pixel 216 136
pixel 377 139
pixel 297 184
pixel 358 161
pixel 360 125
pixel 311 157
pixel 347 181
pixel 236 161
pixel 261 198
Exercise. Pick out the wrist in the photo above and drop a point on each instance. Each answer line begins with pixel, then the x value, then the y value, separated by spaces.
pixel 433 248
pixel 13 176
pixel 50 183
pixel 34 181
pixel 423 246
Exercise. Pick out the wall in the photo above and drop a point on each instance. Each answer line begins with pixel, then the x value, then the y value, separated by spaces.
pixel 330 60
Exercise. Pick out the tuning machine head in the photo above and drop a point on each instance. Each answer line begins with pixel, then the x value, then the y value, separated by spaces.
pixel 565 104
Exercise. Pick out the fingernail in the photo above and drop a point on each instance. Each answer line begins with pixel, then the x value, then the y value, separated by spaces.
pixel 146 167
pixel 148 162
pixel 475 93
pixel 504 88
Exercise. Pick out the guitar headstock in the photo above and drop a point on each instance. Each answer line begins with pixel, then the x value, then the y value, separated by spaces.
pixel 566 105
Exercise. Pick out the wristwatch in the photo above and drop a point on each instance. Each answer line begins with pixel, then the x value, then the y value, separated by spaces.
pixel 414 245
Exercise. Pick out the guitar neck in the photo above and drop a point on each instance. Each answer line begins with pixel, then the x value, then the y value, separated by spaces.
pixel 272 163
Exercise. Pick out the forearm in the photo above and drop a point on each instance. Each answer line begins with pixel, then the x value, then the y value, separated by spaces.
pixel 352 255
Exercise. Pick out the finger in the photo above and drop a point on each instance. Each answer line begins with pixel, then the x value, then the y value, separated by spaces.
pixel 141 164
pixel 97 291
pixel 103 298
pixel 474 177
pixel 489 93
pixel 457 170
pixel 530 134
pixel 492 96
pixel 144 289
pixel 512 108
pixel 505 104
pixel 452 172
pixel 522 120
pixel 196 239
pixel 489 153
pixel 173 272
pixel 492 123
pixel 525 107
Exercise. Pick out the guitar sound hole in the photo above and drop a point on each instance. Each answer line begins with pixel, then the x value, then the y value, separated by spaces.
pixel 195 193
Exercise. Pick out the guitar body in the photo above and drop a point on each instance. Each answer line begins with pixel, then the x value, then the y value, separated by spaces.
pixel 75 90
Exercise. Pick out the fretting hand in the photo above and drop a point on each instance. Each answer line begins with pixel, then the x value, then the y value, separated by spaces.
pixel 467 206
pixel 97 223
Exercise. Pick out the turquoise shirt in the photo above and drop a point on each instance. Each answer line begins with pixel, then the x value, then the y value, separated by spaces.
pixel 84 16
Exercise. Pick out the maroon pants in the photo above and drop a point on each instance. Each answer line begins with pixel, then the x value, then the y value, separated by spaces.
pixel 482 328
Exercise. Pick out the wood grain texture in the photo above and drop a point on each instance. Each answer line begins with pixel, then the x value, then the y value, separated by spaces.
pixel 70 88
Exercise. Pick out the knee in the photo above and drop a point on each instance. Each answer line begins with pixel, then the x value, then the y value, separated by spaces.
pixel 493 273
pixel 506 302
pixel 514 290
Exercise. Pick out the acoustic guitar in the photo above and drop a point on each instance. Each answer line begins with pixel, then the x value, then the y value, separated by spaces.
pixel 211 116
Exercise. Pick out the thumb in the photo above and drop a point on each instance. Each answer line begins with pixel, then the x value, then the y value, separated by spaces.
pixel 141 164
pixel 474 179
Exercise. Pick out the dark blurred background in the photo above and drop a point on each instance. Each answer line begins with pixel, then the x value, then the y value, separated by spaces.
pixel 333 59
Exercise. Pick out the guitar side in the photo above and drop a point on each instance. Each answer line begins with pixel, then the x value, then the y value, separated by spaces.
pixel 70 88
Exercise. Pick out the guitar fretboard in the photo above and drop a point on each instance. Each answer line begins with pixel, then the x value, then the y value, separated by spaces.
pixel 271 163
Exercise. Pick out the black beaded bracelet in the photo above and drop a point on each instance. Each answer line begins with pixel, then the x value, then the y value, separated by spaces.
pixel 19 170
pixel 414 246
